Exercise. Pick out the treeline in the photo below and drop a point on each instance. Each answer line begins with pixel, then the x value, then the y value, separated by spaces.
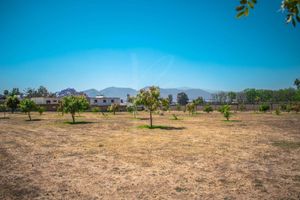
pixel 30 92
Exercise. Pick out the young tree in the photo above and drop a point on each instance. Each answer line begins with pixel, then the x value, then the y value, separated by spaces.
pixel 182 98
pixel 41 109
pixel 12 102
pixel 113 108
pixel 150 100
pixel 225 110
pixel 27 106
pixel 73 104
pixel 3 108
pixel 191 108
pixel 198 101
pixel 208 108
pixel 165 104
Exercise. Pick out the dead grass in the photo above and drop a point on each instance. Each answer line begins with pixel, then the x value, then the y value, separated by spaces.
pixel 115 157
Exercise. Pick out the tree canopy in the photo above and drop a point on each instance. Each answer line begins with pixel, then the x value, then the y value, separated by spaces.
pixel 74 104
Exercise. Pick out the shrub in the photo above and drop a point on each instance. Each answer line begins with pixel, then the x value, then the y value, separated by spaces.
pixel 288 108
pixel 41 109
pixel 178 107
pixel 283 107
pixel 113 108
pixel 175 117
pixel 264 107
pixel 12 102
pixel 73 104
pixel 296 107
pixel 191 108
pixel 208 108
pixel 3 108
pixel 223 108
pixel 227 114
pixel 277 111
pixel 27 106
pixel 95 110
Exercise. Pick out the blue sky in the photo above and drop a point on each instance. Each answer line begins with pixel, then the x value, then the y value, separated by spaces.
pixel 136 43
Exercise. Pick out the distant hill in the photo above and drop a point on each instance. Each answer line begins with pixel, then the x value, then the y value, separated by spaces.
pixel 122 92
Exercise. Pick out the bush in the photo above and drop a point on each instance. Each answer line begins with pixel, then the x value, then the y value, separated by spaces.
pixel 95 110
pixel 208 108
pixel 41 110
pixel 296 107
pixel 283 107
pixel 227 114
pixel 191 108
pixel 288 108
pixel 175 117
pixel 264 107
pixel 222 109
pixel 113 108
pixel 277 111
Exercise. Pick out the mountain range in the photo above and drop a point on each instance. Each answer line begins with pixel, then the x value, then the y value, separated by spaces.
pixel 122 92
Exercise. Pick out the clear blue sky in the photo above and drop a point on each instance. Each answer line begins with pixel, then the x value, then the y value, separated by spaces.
pixel 134 43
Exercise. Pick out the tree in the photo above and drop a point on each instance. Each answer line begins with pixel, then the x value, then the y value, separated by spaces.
pixel 73 104
pixel 182 98
pixel 3 108
pixel 41 110
pixel 208 108
pixel 170 98
pixel 113 108
pixel 150 100
pixel 231 96
pixel 12 102
pixel 27 106
pixel 198 101
pixel 165 104
pixel 297 83
pixel 264 107
pixel 290 7
pixel 5 92
pixel 191 108
pixel 225 110
pixel 42 92
pixel 15 91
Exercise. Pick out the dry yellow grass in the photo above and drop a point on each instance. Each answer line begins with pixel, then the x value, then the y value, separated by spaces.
pixel 256 156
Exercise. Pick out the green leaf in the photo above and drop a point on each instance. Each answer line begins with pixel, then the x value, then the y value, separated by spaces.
pixel 246 12
pixel 240 14
pixel 251 4
pixel 239 8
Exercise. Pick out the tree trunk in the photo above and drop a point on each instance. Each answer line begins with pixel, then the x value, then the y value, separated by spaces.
pixel 73 118
pixel 151 119
pixel 29 116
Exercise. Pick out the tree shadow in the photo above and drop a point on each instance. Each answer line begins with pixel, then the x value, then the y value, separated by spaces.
pixel 232 120
pixel 33 120
pixel 4 118
pixel 161 127
pixel 78 122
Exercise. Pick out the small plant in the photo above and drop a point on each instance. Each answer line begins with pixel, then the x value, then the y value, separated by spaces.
pixel 3 108
pixel 132 109
pixel 288 108
pixel 96 110
pixel 208 108
pixel 264 108
pixel 113 108
pixel 175 117
pixel 277 111
pixel 191 108
pixel 41 110
pixel 27 106
pixel 225 110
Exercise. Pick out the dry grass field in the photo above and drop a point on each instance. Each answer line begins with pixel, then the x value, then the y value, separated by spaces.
pixel 254 156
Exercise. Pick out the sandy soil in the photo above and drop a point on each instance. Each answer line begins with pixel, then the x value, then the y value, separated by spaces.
pixel 254 156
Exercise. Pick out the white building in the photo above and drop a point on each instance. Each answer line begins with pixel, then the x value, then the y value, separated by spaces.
pixel 104 101
pixel 45 100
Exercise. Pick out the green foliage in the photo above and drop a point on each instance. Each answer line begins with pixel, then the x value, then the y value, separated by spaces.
pixel 3 108
pixel 113 108
pixel 12 102
pixel 73 104
pixel 27 106
pixel 277 111
pixel 231 96
pixel 290 7
pixel 182 99
pixel 170 98
pixel 191 108
pixel 198 101
pixel 178 107
pixel 41 109
pixel 226 111
pixel 208 108
pixel 244 7
pixel 297 83
pixel 288 108
pixel 264 107
pixel 165 104
pixel 295 107
pixel 95 110
pixel 175 117
pixel 149 99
